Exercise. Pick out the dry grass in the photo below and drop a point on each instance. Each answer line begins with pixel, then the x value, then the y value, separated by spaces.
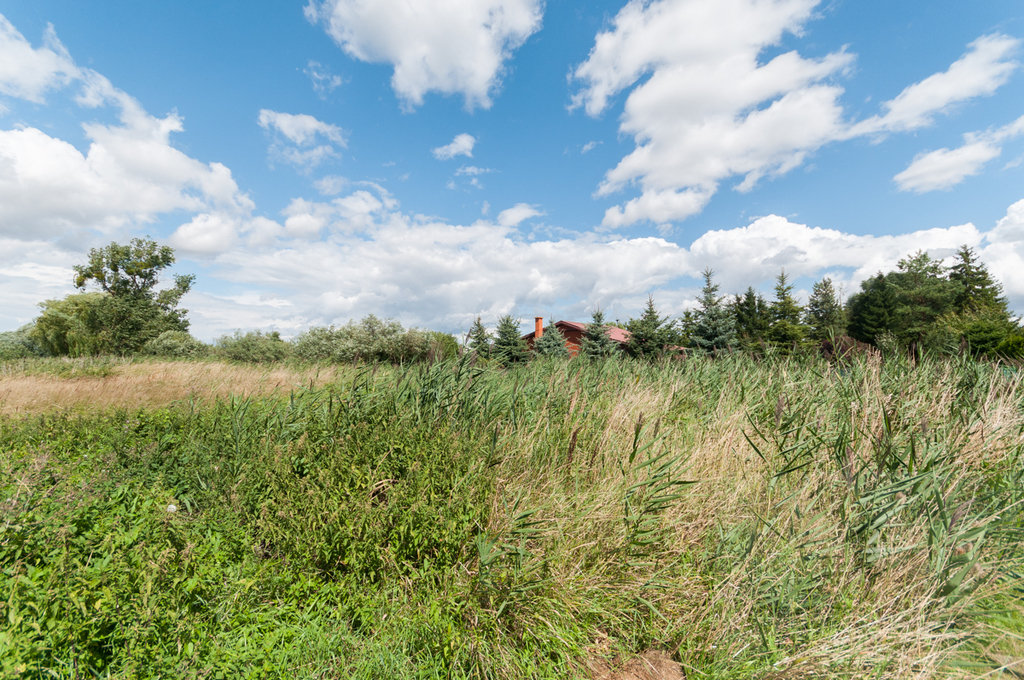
pixel 147 385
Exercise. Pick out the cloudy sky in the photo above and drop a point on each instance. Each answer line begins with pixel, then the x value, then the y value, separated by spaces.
pixel 313 161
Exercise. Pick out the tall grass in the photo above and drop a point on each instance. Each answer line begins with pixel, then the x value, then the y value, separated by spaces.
pixel 783 518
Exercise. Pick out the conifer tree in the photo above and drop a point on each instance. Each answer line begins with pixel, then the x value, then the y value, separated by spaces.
pixel 649 334
pixel 785 312
pixel 872 311
pixel 595 343
pixel 551 343
pixel 479 339
pixel 509 347
pixel 714 329
pixel 824 315
pixel 979 290
pixel 923 293
pixel 750 316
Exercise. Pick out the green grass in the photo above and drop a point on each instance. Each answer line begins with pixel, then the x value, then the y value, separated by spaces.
pixel 783 518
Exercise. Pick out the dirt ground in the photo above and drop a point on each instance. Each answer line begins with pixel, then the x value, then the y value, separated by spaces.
pixel 651 665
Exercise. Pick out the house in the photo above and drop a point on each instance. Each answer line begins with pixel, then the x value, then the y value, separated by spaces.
pixel 573 333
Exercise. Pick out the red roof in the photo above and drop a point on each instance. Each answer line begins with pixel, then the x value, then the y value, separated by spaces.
pixel 617 334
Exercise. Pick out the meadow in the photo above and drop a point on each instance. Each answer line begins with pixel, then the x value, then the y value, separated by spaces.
pixel 730 517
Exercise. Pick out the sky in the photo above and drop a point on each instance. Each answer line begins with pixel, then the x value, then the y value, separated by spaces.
pixel 315 161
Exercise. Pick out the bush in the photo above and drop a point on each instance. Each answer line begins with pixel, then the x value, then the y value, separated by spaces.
pixel 253 347
pixel 372 339
pixel 178 344
pixel 19 344
pixel 1012 347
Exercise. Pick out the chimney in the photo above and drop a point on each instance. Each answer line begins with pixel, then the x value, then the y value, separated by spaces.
pixel 538 330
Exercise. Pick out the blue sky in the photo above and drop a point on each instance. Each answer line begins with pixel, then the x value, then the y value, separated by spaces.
pixel 313 162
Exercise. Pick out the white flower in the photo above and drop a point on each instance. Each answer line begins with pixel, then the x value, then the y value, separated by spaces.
pixel 172 508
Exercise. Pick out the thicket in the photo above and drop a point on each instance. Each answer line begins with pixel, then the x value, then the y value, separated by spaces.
pixel 773 518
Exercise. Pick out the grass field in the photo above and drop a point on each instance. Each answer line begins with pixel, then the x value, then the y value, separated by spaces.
pixel 730 518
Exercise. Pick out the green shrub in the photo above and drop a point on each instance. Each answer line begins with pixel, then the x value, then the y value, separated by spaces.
pixel 178 344
pixel 253 347
pixel 372 339
pixel 1012 347
pixel 19 344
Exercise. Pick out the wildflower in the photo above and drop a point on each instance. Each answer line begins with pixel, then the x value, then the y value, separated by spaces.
pixel 172 508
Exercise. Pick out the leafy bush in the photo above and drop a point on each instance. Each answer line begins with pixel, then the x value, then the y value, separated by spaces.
pixel 1012 347
pixel 19 344
pixel 372 339
pixel 253 347
pixel 178 344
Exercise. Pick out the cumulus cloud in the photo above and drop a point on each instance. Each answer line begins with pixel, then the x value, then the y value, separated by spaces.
pixel 709 108
pixel 456 47
pixel 52 192
pixel 27 72
pixel 703 107
pixel 324 82
pixel 462 145
pixel 945 168
pixel 297 137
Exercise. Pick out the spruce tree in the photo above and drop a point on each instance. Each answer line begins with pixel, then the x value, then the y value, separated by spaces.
pixel 785 312
pixel 509 347
pixel 750 316
pixel 649 334
pixel 872 311
pixel 479 339
pixel 595 343
pixel 923 294
pixel 824 315
pixel 979 290
pixel 551 343
pixel 714 329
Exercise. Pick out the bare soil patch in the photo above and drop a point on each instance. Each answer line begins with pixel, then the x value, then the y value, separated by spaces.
pixel 651 665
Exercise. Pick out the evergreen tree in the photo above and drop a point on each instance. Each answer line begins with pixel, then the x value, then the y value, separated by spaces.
pixel 785 313
pixel 750 316
pixel 979 290
pixel 682 330
pixel 872 311
pixel 551 343
pixel 649 334
pixel 923 293
pixel 596 344
pixel 824 315
pixel 509 347
pixel 714 329
pixel 479 339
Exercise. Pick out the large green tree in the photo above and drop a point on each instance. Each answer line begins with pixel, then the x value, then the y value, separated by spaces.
pixel 787 330
pixel 978 290
pixel 872 311
pixel 923 293
pixel 714 330
pixel 509 347
pixel 595 343
pixel 479 339
pixel 127 312
pixel 824 315
pixel 649 334
pixel 750 316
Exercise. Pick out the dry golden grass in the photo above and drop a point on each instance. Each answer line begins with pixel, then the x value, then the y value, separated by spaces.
pixel 149 384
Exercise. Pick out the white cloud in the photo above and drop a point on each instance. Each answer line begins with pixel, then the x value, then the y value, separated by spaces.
pixel 703 107
pixel 28 73
pixel 943 168
pixel 453 47
pixel 516 214
pixel 302 133
pixel 462 145
pixel 709 109
pixel 300 129
pixel 324 82
pixel 985 67
pixel 589 146
pixel 472 170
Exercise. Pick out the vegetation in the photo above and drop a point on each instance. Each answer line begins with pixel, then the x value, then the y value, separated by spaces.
pixel 551 344
pixel 715 328
pixel 509 348
pixel 596 344
pixel 778 518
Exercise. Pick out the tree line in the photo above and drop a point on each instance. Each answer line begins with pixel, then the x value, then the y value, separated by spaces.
pixel 921 306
